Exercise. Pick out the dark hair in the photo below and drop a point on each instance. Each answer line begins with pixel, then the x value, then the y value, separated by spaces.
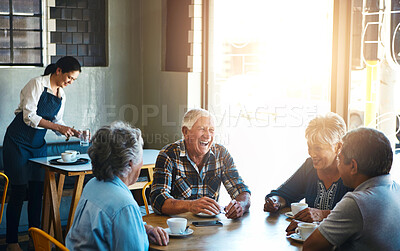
pixel 113 147
pixel 370 149
pixel 66 64
pixel 51 68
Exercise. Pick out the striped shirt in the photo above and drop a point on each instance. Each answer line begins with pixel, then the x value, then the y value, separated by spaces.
pixel 177 176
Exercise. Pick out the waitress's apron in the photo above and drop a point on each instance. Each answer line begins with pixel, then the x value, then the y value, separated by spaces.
pixel 23 142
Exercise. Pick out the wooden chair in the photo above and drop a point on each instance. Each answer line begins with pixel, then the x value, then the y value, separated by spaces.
pixel 42 241
pixel 3 199
pixel 144 196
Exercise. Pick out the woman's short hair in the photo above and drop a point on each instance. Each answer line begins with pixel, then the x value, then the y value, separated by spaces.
pixel 192 115
pixel 113 147
pixel 371 150
pixel 327 130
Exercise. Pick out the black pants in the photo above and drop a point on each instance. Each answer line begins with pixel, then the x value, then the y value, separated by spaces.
pixel 13 214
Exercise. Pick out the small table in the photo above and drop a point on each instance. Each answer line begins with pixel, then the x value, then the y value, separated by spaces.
pixel 52 193
pixel 256 230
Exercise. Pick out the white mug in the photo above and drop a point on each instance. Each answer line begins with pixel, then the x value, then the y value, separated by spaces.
pixel 74 153
pixel 297 207
pixel 177 225
pixel 305 229
pixel 67 157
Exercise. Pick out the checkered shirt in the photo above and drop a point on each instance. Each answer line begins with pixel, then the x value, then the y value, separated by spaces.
pixel 177 176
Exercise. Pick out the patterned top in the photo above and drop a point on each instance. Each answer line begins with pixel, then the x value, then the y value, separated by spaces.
pixel 177 176
pixel 304 183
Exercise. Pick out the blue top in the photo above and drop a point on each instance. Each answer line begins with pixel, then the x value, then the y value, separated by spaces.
pixel 107 218
pixel 304 183
pixel 366 219
pixel 23 142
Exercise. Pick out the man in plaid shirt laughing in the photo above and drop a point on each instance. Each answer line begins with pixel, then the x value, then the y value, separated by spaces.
pixel 189 172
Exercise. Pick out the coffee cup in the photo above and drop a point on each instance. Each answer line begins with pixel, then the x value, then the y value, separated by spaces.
pixel 67 157
pixel 177 225
pixel 305 229
pixel 74 153
pixel 297 207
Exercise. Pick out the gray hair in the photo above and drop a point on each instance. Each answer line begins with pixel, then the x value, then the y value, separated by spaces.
pixel 192 115
pixel 113 147
pixel 327 130
pixel 370 149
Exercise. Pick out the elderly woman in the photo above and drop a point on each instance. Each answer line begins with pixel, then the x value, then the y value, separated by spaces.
pixel 318 179
pixel 107 216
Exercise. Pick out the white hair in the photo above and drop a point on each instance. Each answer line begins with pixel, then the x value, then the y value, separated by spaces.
pixel 192 115
pixel 328 129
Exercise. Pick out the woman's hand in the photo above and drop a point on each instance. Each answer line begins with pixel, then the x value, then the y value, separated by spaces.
pixel 68 131
pixel 271 205
pixel 312 214
pixel 157 235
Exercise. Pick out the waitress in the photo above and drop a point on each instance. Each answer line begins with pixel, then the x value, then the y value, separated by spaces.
pixel 41 107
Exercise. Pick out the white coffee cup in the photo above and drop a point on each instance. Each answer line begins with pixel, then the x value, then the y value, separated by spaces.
pixel 67 157
pixel 74 153
pixel 177 225
pixel 305 229
pixel 297 207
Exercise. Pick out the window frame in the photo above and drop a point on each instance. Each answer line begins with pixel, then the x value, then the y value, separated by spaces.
pixel 11 30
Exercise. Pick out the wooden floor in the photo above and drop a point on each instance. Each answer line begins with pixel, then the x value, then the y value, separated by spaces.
pixel 23 240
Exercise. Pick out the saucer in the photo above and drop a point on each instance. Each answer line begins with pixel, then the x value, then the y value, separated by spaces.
pixel 204 215
pixel 289 215
pixel 296 237
pixel 63 161
pixel 186 233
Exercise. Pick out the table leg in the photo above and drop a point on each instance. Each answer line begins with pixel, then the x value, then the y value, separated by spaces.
pixel 46 204
pixel 55 207
pixel 75 199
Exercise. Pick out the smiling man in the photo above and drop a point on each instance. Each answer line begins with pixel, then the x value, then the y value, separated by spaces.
pixel 366 219
pixel 189 172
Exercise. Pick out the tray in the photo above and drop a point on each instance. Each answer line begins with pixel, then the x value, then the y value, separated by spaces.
pixel 79 161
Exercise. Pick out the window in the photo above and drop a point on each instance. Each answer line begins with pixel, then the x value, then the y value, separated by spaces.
pixel 21 32
pixel 80 31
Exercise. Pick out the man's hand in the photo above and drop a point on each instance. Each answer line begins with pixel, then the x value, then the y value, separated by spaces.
pixel 157 235
pixel 205 205
pixel 312 215
pixel 234 210
pixel 271 205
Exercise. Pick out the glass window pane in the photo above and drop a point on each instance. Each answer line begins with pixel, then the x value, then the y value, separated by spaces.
pixel 27 23
pixel 30 56
pixel 4 39
pixel 4 6
pixel 26 6
pixel 4 56
pixel 4 22
pixel 26 39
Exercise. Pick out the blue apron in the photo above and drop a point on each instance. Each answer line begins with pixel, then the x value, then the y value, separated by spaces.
pixel 23 142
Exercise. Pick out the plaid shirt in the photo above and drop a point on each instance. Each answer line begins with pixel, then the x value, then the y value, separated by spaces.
pixel 177 176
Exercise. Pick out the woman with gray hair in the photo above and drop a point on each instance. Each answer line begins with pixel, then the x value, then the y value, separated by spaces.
pixel 107 216
pixel 318 179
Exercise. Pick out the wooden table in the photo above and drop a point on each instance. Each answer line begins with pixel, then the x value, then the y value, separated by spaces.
pixel 52 191
pixel 256 230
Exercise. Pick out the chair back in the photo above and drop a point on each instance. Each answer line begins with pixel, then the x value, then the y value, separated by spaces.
pixel 42 241
pixel 144 196
pixel 3 198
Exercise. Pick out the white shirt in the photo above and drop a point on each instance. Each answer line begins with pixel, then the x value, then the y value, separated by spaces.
pixel 29 99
